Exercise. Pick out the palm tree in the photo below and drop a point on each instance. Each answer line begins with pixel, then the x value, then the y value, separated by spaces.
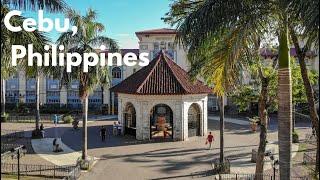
pixel 52 5
pixel 85 40
pixel 308 11
pixel 247 20
pixel 8 39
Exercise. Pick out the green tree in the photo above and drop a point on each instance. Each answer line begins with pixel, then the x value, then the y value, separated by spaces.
pixel 307 30
pixel 245 94
pixel 246 20
pixel 8 39
pixel 87 38
pixel 40 40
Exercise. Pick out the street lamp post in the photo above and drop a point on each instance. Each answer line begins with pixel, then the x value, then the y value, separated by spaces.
pixel 275 164
pixel 17 153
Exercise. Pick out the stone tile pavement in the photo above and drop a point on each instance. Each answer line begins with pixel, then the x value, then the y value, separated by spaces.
pixel 44 148
pixel 126 158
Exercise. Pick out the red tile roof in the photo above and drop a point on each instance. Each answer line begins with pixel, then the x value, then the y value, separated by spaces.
pixel 161 77
pixel 158 31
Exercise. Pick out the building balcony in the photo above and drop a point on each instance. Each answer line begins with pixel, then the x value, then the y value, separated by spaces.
pixel 170 53
pixel 31 83
pixel 53 84
pixel 12 84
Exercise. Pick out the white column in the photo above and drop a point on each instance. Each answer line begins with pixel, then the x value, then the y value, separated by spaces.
pixel 145 121
pixel 139 124
pixel 106 96
pixel 205 116
pixel 120 114
pixel 177 121
pixel 43 90
pixel 22 86
pixel 185 121
pixel 63 95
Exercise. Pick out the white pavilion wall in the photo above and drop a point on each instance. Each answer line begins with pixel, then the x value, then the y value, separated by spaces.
pixel 201 101
pixel 179 105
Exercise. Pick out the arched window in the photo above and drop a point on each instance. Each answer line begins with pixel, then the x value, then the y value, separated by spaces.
pixel 116 73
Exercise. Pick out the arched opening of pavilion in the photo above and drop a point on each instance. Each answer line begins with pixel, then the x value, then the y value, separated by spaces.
pixel 161 122
pixel 130 119
pixel 194 120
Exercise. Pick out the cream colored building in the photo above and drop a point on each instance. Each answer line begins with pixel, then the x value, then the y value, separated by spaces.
pixel 22 89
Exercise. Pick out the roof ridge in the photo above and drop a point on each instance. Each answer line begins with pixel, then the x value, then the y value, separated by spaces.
pixel 175 75
pixel 167 59
pixel 152 70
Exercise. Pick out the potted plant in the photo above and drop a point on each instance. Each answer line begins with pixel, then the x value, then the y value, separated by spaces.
pixel 254 123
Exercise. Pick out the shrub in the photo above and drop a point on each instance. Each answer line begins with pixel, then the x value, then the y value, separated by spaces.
pixel 85 164
pixel 295 137
pixel 4 117
pixel 67 119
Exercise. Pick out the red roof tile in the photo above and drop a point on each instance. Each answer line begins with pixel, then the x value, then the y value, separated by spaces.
pixel 161 77
pixel 158 31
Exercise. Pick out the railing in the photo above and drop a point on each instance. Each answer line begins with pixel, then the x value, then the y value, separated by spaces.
pixel 309 158
pixel 28 119
pixel 8 147
pixel 6 151
pixel 242 176
pixel 47 171
pixel 252 177
pixel 74 174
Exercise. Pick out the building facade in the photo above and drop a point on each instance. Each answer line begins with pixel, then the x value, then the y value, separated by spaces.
pixel 20 89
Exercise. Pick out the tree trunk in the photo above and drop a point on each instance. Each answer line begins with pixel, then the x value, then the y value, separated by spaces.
pixel 84 127
pixel 37 101
pixel 263 127
pixel 3 96
pixel 102 98
pixel 221 107
pixel 308 87
pixel 285 103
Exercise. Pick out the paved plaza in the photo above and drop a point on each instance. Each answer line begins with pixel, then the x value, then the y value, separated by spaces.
pixel 124 157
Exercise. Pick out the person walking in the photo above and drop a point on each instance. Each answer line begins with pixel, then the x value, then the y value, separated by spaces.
pixel 103 133
pixel 115 128
pixel 41 127
pixel 210 139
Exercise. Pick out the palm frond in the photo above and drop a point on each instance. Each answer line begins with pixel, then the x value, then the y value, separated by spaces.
pixel 110 43
pixel 52 5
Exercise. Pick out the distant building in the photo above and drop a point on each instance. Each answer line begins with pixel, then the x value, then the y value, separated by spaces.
pixel 22 89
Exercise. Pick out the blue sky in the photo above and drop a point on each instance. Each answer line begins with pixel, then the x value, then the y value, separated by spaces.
pixel 122 18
